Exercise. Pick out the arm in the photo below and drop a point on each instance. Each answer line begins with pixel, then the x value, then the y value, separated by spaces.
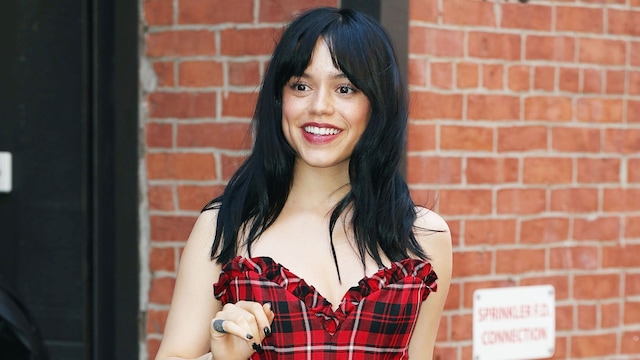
pixel 186 334
pixel 438 247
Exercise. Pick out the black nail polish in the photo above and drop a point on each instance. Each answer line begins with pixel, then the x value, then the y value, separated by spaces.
pixel 257 348
pixel 267 331
pixel 249 336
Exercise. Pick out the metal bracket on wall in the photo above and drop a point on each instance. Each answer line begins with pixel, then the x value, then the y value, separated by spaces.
pixel 5 172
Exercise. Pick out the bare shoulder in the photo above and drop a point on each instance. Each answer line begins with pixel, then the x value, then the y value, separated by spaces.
pixel 432 232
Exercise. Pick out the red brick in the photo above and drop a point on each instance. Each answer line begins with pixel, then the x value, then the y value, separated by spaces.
pixel 161 197
pixel 540 170
pixel 632 313
pixel 421 137
pixel 600 229
pixel 574 200
pixel 454 225
pixel 243 42
pixel 630 343
pixel 164 73
pixel 244 73
pixel 156 320
pixel 161 290
pixel 467 75
pixel 602 51
pixel 489 232
pixel 215 11
pixel 623 141
pixel 465 202
pixel 494 45
pixel 587 317
pixel 621 200
pixel 519 78
pixel 493 107
pixel 471 263
pixel 549 108
pixel 423 10
pixel 441 75
pixel 162 259
pixel 466 138
pixel 181 43
pixel 624 22
pixel 182 166
pixel 158 12
pixel 159 135
pixel 200 73
pixel 181 105
pixel 463 12
pixel 600 110
pixel 232 135
pixel 436 42
pixel 592 80
pixel 194 197
pixel 632 228
pixel 615 82
pixel 574 257
pixel 171 228
pixel 492 75
pixel 152 348
pixel 620 256
pixel 418 72
pixel 230 164
pixel 522 138
pixel 560 345
pixel 434 170
pixel 610 315
pixel 633 111
pixel 596 286
pixel 580 19
pixel 441 352
pixel 559 283
pixel 521 201
pixel 544 78
pixel 584 346
pixel 519 261
pixel 633 171
pixel 634 82
pixel 632 284
pixel 491 170
pixel 284 10
pixel 430 105
pixel 461 327
pixel 635 53
pixel 236 104
pixel 526 16
pixel 554 48
pixel 564 321
pixel 453 297
pixel 544 230
pixel 574 139
pixel 569 80
pixel 599 170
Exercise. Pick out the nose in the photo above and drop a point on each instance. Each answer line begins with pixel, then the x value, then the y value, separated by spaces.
pixel 322 102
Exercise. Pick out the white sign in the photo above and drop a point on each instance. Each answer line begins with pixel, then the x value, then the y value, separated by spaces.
pixel 514 323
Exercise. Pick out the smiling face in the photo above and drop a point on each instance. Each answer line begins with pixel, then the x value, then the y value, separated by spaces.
pixel 323 113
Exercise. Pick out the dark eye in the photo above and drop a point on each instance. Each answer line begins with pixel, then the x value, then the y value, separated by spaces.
pixel 300 87
pixel 344 89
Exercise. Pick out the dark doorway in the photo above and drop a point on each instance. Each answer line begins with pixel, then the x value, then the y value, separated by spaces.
pixel 68 115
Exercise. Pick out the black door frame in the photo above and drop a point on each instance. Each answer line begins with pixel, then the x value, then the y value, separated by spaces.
pixel 115 271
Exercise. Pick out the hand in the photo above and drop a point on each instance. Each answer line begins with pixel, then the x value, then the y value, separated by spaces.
pixel 243 326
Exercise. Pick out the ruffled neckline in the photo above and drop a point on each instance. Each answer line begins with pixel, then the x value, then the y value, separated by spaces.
pixel 265 268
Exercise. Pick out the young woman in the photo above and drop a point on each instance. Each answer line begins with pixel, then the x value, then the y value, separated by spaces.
pixel 315 248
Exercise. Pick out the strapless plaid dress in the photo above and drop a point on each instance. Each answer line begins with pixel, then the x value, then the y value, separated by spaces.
pixel 374 320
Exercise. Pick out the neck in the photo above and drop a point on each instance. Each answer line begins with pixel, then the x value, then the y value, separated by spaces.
pixel 318 188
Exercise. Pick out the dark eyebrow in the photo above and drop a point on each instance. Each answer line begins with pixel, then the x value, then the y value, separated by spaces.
pixel 337 75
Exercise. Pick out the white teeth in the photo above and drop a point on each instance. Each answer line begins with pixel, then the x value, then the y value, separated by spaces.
pixel 320 131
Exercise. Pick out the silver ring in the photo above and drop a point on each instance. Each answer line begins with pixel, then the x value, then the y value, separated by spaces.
pixel 217 326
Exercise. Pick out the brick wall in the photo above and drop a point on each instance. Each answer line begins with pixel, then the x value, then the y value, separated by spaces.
pixel 525 136
pixel 525 133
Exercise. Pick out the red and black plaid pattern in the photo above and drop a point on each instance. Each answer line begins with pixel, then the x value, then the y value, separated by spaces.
pixel 374 320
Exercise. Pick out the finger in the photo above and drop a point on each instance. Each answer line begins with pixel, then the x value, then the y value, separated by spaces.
pixel 229 327
pixel 261 316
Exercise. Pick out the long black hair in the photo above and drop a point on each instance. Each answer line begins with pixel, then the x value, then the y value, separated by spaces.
pixel 381 211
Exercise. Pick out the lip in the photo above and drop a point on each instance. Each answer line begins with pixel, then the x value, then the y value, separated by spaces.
pixel 319 139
